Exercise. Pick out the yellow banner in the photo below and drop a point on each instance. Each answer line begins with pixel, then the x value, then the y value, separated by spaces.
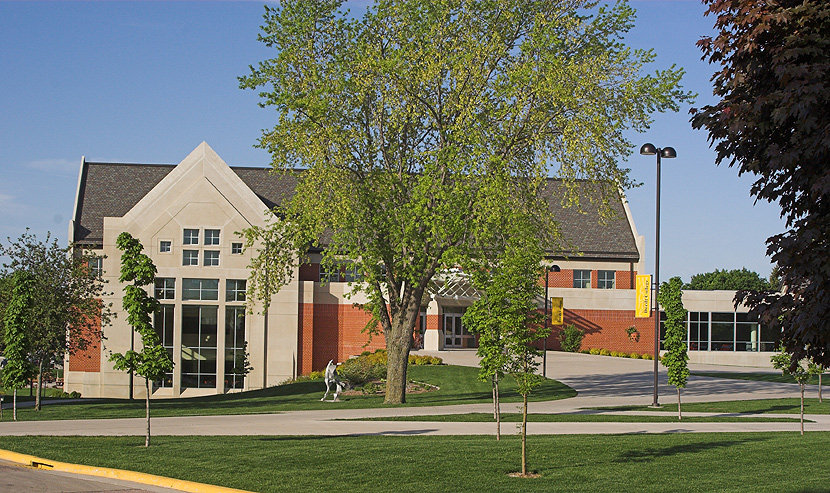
pixel 643 308
pixel 556 311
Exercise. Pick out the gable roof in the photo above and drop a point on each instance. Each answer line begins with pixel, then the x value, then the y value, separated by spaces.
pixel 113 189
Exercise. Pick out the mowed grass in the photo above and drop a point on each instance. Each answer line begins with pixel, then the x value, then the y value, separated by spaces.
pixel 739 462
pixel 575 418
pixel 755 406
pixel 759 377
pixel 23 394
pixel 458 385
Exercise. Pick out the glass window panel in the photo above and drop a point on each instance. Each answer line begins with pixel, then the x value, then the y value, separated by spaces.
pixel 165 288
pixel 191 237
pixel 211 237
pixel 211 258
pixel 207 336
pixel 746 336
pixel 236 248
pixel 582 278
pixel 605 279
pixel 165 246
pixel 190 257
pixel 745 317
pixel 704 316
pixel 207 361
pixel 723 336
pixel 235 289
pixel 723 317
pixel 190 325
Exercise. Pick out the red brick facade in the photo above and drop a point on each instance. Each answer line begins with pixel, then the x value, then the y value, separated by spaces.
pixel 607 329
pixel 332 332
pixel 88 359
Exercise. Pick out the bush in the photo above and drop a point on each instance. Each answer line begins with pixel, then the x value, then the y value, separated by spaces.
pixel 364 368
pixel 634 356
pixel 419 360
pixel 594 351
pixel 604 352
pixel 646 356
pixel 571 338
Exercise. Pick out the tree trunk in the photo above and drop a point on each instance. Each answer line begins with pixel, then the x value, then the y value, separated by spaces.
pixel 39 384
pixel 147 411
pixel 495 412
pixel 802 408
pixel 498 411
pixel 14 404
pixel 524 435
pixel 819 385
pixel 679 414
pixel 398 344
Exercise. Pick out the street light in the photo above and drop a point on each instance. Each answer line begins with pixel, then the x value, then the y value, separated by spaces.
pixel 668 153
pixel 549 268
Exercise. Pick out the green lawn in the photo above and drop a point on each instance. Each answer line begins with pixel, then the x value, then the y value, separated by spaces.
pixel 574 418
pixel 686 462
pixel 760 377
pixel 458 385
pixel 23 394
pixel 756 406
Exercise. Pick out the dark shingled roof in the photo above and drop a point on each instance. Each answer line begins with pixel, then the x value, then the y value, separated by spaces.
pixel 112 189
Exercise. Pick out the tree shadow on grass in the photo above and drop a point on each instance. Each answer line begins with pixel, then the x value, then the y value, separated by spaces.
pixel 650 453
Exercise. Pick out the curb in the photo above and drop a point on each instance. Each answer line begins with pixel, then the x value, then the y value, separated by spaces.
pixel 106 472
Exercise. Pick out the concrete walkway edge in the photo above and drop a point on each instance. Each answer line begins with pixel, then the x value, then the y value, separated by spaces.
pixel 106 472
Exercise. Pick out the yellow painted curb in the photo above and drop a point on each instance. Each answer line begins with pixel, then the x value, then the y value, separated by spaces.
pixel 106 472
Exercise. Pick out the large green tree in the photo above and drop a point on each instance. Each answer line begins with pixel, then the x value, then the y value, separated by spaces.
pixel 418 121
pixel 66 311
pixel 732 280
pixel 771 120
pixel 152 361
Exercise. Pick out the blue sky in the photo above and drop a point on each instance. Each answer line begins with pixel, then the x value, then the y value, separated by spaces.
pixel 147 82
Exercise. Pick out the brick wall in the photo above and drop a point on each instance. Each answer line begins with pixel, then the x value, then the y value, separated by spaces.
pixel 88 359
pixel 562 279
pixel 624 279
pixel 332 332
pixel 607 329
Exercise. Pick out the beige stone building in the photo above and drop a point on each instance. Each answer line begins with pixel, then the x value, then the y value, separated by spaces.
pixel 187 216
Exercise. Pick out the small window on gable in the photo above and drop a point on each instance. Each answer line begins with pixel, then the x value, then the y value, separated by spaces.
pixel 191 237
pixel 211 237
pixel 190 257
pixel 211 257
pixel 236 248
pixel 165 246
pixel 96 266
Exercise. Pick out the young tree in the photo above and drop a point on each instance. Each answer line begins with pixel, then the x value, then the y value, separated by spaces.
pixel 18 369
pixel 418 120
pixel 152 362
pixel 771 121
pixel 66 311
pixel 784 361
pixel 676 359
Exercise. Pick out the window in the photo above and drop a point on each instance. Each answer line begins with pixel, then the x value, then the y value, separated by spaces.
pixel 236 248
pixel 211 257
pixel 191 237
pixel 96 266
pixel 349 273
pixel 235 290
pixel 211 237
pixel 605 279
pixel 190 257
pixel 341 272
pixel 582 278
pixel 165 246
pixel 198 346
pixel 200 289
pixel 163 323
pixel 235 357
pixel 329 276
pixel 165 288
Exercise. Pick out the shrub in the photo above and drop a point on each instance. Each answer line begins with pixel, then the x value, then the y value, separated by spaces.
pixel 364 368
pixel 594 351
pixel 646 356
pixel 615 354
pixel 634 356
pixel 604 352
pixel 571 338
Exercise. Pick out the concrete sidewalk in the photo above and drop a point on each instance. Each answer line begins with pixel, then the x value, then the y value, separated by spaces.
pixel 599 380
